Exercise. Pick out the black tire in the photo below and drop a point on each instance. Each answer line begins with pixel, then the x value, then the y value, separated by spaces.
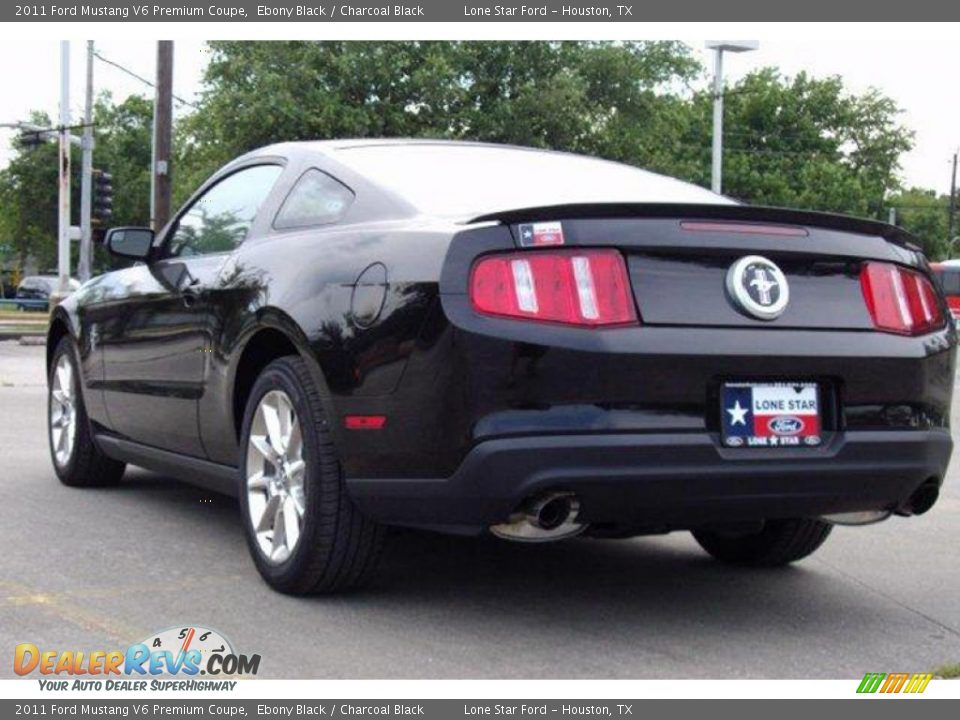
pixel 338 547
pixel 85 466
pixel 779 542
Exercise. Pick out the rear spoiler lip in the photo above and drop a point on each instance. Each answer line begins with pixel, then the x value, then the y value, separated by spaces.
pixel 751 213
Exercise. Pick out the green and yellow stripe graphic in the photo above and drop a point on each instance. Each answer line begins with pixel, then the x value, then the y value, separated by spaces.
pixel 894 682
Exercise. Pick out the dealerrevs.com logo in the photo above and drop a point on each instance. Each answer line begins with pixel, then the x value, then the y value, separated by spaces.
pixel 154 663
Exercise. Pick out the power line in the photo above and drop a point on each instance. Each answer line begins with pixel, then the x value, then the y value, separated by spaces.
pixel 134 75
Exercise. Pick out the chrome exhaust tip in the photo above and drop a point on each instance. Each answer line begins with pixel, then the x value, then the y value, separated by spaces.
pixel 866 517
pixel 547 517
pixel 923 498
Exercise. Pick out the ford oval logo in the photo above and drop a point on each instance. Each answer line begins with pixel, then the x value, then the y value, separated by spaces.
pixel 788 425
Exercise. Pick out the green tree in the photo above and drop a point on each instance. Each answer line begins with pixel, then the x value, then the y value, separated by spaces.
pixel 122 148
pixel 926 215
pixel 802 142
pixel 28 185
pixel 28 202
pixel 617 100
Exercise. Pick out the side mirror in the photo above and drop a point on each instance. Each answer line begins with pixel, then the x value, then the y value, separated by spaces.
pixel 130 242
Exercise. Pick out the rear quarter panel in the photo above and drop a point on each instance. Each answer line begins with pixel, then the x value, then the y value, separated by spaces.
pixel 302 282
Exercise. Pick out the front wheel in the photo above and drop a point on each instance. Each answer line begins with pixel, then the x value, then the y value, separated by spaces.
pixel 779 542
pixel 303 531
pixel 77 460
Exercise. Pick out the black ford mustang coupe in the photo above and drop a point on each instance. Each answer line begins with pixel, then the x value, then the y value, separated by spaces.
pixel 475 338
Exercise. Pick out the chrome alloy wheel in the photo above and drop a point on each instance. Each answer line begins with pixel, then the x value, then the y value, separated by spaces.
pixel 275 475
pixel 63 412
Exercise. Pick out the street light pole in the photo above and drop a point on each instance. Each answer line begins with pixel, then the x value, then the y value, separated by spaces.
pixel 716 174
pixel 63 229
pixel 952 218
pixel 719 46
pixel 86 181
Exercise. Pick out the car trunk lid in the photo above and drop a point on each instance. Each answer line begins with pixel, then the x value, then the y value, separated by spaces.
pixel 679 258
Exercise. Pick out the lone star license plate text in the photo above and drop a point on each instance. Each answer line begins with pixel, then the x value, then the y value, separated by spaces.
pixel 770 414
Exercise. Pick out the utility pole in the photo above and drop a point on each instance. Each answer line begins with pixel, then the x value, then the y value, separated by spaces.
pixel 86 181
pixel 952 225
pixel 162 132
pixel 63 226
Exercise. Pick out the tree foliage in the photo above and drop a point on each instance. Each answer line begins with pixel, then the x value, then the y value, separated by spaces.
pixel 28 202
pixel 599 98
pixel 803 142
pixel 926 215
pixel 797 142
pixel 122 148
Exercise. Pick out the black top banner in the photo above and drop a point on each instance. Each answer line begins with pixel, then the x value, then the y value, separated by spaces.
pixel 475 11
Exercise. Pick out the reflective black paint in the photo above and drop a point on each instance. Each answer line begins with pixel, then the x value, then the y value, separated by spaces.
pixel 161 349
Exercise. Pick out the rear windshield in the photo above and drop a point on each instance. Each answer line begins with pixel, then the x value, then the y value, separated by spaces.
pixel 471 180
pixel 949 280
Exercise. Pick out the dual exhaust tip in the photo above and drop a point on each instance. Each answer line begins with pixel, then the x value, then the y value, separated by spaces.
pixel 922 499
pixel 554 515
pixel 545 517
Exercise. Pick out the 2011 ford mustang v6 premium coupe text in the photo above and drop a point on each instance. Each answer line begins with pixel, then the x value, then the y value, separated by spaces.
pixel 475 338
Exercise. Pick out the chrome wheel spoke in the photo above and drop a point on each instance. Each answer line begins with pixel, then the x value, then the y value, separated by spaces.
pixel 257 481
pixel 265 523
pixel 297 498
pixel 295 471
pixel 291 522
pixel 294 448
pixel 271 418
pixel 279 545
pixel 276 473
pixel 262 445
pixel 62 414
pixel 64 372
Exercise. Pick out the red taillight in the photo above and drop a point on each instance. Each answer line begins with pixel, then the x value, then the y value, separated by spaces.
pixel 900 300
pixel 574 287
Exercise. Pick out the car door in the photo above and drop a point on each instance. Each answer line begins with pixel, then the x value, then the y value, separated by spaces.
pixel 156 339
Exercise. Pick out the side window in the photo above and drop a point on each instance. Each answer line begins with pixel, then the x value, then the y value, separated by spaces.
pixel 316 199
pixel 219 220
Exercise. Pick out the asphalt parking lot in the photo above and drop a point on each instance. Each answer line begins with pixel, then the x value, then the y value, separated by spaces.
pixel 98 569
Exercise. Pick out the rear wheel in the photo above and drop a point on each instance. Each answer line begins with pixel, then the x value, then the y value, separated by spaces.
pixel 303 531
pixel 779 542
pixel 76 459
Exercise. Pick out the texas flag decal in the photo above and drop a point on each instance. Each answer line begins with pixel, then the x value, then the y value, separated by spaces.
pixel 541 234
pixel 770 414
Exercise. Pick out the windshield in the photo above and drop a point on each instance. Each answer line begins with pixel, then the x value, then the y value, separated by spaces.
pixel 471 180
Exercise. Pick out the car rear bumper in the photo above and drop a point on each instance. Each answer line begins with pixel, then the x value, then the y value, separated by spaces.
pixel 665 480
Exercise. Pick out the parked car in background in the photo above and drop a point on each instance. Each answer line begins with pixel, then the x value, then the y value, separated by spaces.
pixel 473 338
pixel 34 291
pixel 947 274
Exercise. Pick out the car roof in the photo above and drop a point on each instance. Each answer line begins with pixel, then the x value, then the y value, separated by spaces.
pixel 446 185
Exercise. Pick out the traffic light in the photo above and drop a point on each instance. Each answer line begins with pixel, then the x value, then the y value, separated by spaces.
pixel 30 140
pixel 102 200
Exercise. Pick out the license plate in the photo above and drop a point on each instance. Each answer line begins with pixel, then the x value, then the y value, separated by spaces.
pixel 770 414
